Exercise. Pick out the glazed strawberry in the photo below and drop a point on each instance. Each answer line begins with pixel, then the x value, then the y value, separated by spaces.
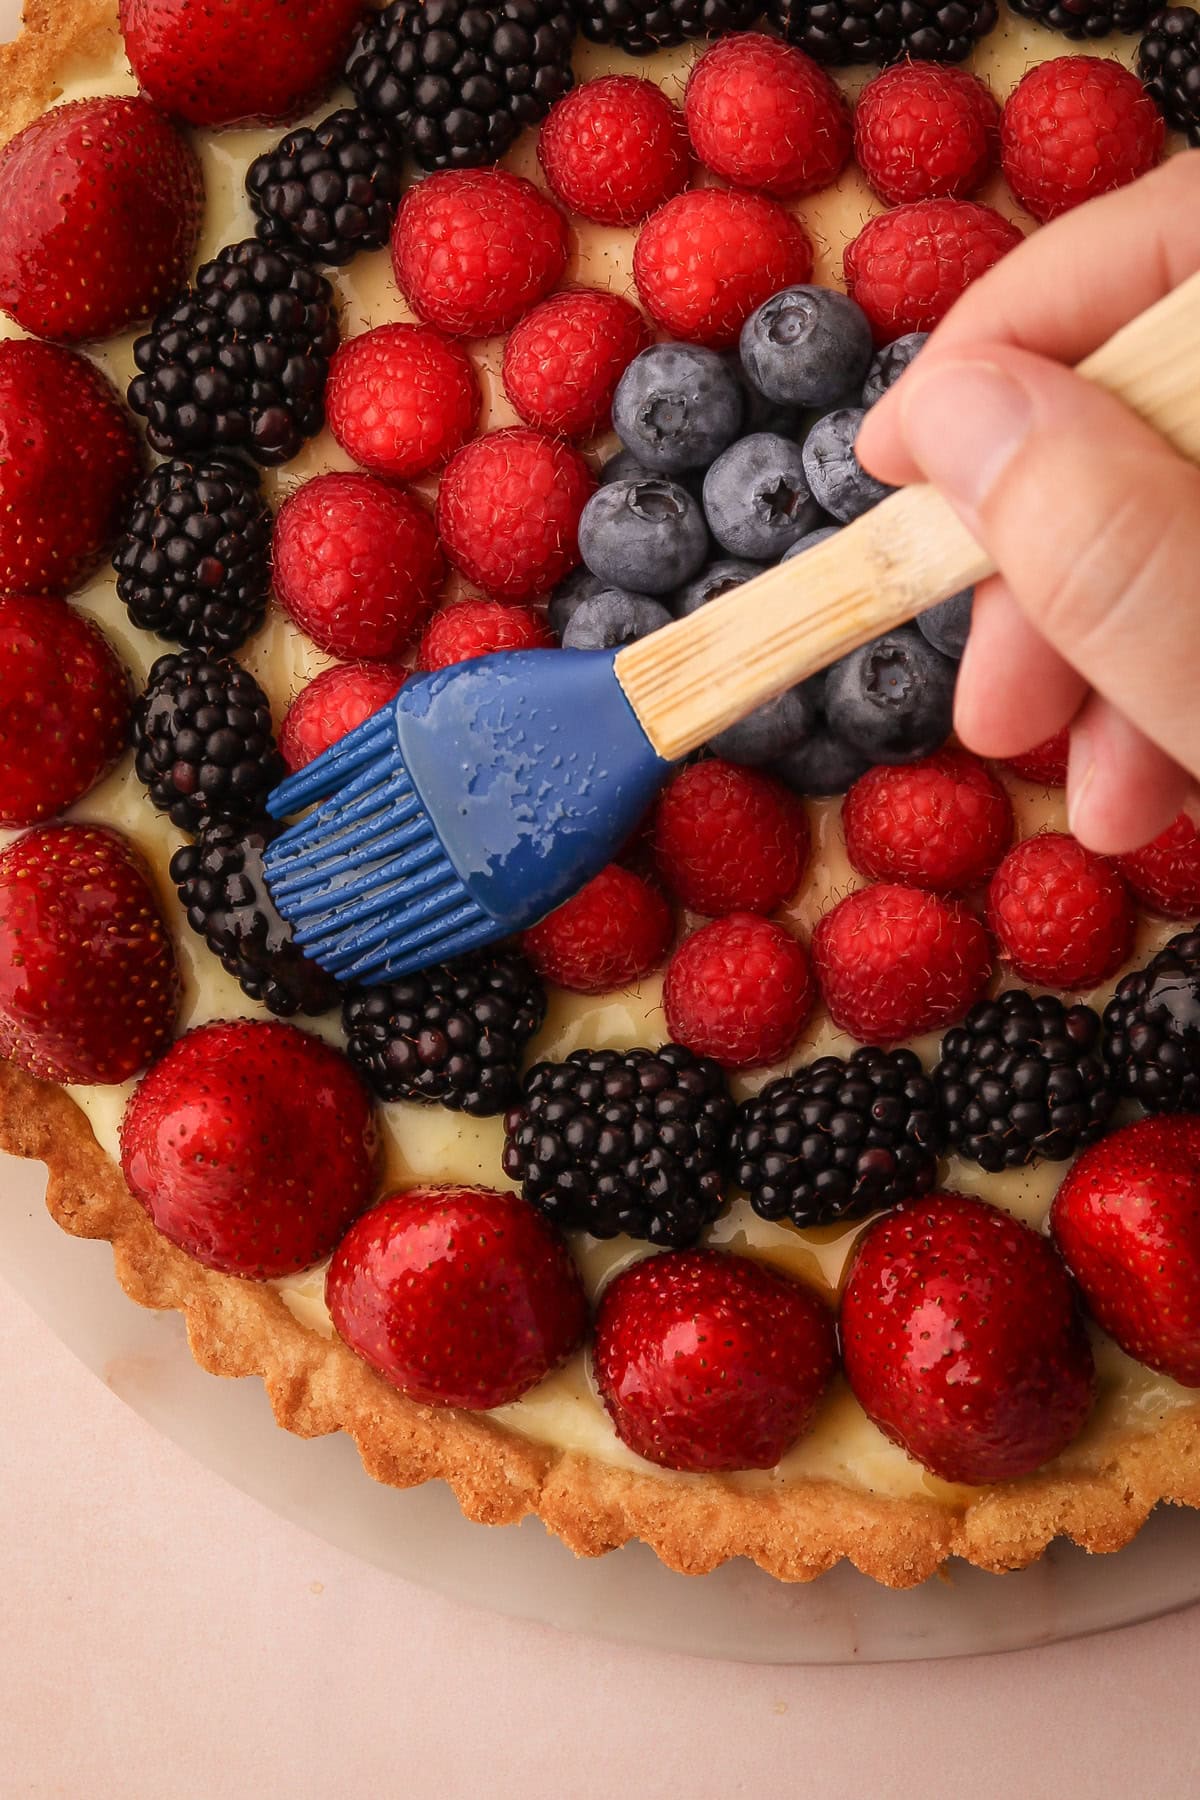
pixel 739 990
pixel 508 511
pixel 252 1147
pixel 614 149
pixel 706 260
pixel 334 703
pixel 612 932
pixel 239 61
pixel 473 249
pixel 64 708
pixel 357 564
pixel 1062 914
pixel 963 1339
pixel 730 839
pixel 926 132
pixel 458 1296
pixel 69 461
pixel 893 961
pixel 88 980
pixel 401 399
pixel 563 361
pixel 907 268
pixel 100 204
pixel 1165 874
pixel 1045 764
pixel 707 1361
pixel 764 116
pixel 479 628
pixel 942 823
pixel 1127 1220
pixel 1074 128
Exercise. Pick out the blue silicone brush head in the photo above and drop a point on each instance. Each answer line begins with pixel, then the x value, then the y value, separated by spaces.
pixel 479 799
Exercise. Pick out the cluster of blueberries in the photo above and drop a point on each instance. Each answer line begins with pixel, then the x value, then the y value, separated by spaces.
pixel 732 463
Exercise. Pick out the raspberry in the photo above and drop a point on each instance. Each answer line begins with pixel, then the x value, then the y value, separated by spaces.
pixel 924 132
pixel 706 260
pixel 739 990
pixel 477 628
pixel 1165 874
pixel 1045 764
pixel 401 399
pixel 563 361
pixel 609 934
pixel 357 565
pixel 475 248
pixel 1074 128
pixel 729 839
pixel 893 961
pixel 333 704
pixel 943 823
pixel 907 268
pixel 1063 915
pixel 764 116
pixel 614 149
pixel 508 511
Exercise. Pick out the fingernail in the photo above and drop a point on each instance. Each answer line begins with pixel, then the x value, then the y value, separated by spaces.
pixel 963 423
pixel 1081 773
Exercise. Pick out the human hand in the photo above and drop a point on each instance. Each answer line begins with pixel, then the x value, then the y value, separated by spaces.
pixel 1092 519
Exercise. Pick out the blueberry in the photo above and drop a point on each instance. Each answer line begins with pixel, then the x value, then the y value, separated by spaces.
pixel 676 407
pixel 647 536
pixel 571 593
pixel 821 764
pixel 624 466
pixel 759 413
pixel 889 364
pixel 893 698
pixel 719 578
pixel 806 345
pixel 613 617
pixel 836 478
pixel 756 498
pixel 771 729
pixel 946 626
pixel 810 540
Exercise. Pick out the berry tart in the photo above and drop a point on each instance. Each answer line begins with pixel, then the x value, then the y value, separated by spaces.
pixel 817 1183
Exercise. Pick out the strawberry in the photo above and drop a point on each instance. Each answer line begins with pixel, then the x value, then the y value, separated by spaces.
pixel 252 1146
pixel 709 1361
pixel 100 204
pixel 963 1339
pixel 893 961
pixel 1127 1220
pixel 459 1296
pixel 612 932
pixel 88 980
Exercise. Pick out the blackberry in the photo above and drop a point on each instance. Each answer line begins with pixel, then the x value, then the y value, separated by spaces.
pixel 194 561
pixel 221 889
pixel 452 1033
pixel 634 1141
pixel 239 361
pixel 328 190
pixel 1086 18
pixel 639 27
pixel 202 740
pixel 839 1138
pixel 1152 1029
pixel 1169 64
pixel 455 81
pixel 883 31
pixel 1022 1078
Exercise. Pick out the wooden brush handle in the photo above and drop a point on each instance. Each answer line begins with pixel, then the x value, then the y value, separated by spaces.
pixel 695 677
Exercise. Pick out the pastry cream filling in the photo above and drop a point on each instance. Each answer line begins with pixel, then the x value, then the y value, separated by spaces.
pixel 430 1144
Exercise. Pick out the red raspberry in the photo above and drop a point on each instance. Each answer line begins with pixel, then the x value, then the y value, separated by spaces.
pixel 926 132
pixel 943 823
pixel 907 268
pixel 69 461
pixel 1045 764
pixel 401 399
pixel 1165 874
pixel 508 511
pixel 762 115
pixel 1074 128
pixel 357 565
pixel 479 628
pixel 740 990
pixel 1063 915
pixel 705 260
pixel 609 934
pixel 473 249
pixel 893 961
pixel 563 361
pixel 333 704
pixel 614 149
pixel 729 839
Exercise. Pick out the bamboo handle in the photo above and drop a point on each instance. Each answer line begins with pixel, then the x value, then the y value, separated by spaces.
pixel 700 674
